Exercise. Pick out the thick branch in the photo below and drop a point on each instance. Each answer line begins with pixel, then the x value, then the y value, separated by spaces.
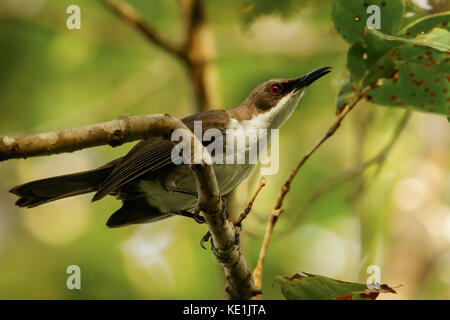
pixel 225 237
pixel 116 132
pixel 277 211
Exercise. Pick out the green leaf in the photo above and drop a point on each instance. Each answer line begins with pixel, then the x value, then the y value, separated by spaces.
pixel 350 17
pixel 256 8
pixel 421 80
pixel 409 70
pixel 370 61
pixel 316 287
pixel 437 38
pixel 285 9
pixel 426 24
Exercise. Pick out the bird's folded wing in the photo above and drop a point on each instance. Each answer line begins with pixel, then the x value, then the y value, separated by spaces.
pixel 148 155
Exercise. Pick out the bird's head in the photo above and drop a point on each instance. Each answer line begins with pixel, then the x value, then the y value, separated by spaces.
pixel 273 101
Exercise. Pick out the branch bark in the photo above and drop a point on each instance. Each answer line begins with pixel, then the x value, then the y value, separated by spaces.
pixel 225 236
pixel 114 133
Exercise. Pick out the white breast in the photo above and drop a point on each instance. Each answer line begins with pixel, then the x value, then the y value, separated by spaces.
pixel 274 118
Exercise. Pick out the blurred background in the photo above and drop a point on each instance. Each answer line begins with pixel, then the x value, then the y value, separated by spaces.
pixel 395 215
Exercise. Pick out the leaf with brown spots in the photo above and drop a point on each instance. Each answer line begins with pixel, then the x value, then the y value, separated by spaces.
pixel 420 83
pixel 437 38
pixel 426 24
pixel 307 286
pixel 350 17
pixel 408 68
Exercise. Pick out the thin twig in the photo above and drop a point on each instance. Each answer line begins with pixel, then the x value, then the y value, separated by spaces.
pixel 125 11
pixel 349 174
pixel 244 214
pixel 277 211
pixel 196 50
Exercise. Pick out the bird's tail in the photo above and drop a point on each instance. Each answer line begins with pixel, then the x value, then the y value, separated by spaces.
pixel 38 192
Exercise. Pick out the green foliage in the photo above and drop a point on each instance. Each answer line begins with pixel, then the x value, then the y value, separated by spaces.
pixel 350 17
pixel 316 287
pixel 406 67
pixel 437 39
pixel 284 8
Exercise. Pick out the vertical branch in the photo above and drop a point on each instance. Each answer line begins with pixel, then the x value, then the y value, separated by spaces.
pixel 198 52
pixel 225 236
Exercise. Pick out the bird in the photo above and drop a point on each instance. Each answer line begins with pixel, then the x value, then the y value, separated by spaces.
pixel 148 182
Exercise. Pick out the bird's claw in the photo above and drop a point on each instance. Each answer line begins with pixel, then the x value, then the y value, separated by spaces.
pixel 225 214
pixel 205 239
pixel 198 217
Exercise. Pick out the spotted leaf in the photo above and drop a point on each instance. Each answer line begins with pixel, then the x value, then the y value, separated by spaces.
pixel 436 38
pixel 350 17
pixel 315 287
pixel 421 81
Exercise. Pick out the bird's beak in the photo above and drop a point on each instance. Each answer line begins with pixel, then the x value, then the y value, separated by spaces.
pixel 309 78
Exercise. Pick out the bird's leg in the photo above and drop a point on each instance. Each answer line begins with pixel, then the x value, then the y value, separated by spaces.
pixel 225 214
pixel 205 239
pixel 196 215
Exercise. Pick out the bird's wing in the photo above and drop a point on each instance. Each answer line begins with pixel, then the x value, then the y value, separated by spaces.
pixel 153 154
pixel 146 156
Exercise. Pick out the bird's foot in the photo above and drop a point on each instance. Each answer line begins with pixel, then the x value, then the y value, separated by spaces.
pixel 205 239
pixel 225 214
pixel 196 215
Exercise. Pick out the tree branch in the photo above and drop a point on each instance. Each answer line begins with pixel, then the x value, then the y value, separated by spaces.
pixel 262 184
pixel 225 236
pixel 126 12
pixel 114 133
pixel 199 54
pixel 351 173
pixel 196 51
pixel 277 211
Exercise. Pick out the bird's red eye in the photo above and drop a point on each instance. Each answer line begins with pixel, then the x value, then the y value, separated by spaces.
pixel 275 90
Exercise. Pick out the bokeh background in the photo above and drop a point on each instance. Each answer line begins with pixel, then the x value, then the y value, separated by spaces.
pixel 53 78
